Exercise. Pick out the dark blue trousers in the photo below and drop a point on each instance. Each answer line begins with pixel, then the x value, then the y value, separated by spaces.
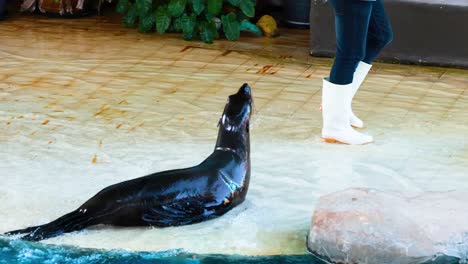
pixel 362 31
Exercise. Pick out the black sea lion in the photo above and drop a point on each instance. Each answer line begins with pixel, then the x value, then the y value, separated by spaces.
pixel 176 197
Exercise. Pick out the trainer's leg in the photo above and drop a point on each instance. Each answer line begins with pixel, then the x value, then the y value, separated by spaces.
pixel 351 28
pixel 380 32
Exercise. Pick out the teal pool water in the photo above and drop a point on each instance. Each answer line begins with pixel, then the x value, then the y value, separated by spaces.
pixel 22 252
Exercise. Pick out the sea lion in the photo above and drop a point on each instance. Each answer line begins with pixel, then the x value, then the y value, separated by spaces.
pixel 175 197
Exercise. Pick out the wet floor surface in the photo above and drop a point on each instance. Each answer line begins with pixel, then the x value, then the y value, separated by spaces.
pixel 87 103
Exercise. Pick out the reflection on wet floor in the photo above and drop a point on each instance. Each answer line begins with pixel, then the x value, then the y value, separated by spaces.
pixel 87 103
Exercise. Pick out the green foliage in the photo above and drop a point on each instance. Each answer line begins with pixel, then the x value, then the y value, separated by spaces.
pixel 163 20
pixel 143 6
pixel 123 6
pixel 188 26
pixel 130 18
pixel 146 23
pixel 248 7
pixel 235 2
pixel 198 6
pixel 193 18
pixel 176 7
pixel 177 25
pixel 231 26
pixel 215 6
pixel 208 31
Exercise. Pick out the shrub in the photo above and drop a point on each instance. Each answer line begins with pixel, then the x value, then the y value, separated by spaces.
pixel 203 19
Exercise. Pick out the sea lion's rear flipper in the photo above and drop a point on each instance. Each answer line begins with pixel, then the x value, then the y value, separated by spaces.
pixel 74 221
pixel 21 231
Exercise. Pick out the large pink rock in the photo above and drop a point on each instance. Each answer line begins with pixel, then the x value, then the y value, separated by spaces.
pixel 369 226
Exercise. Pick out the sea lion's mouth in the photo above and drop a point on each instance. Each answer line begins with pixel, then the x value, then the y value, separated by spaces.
pixel 238 109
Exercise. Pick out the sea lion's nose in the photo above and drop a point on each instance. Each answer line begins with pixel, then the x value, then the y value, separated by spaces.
pixel 245 89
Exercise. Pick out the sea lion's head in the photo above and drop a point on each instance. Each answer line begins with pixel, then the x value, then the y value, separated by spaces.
pixel 238 110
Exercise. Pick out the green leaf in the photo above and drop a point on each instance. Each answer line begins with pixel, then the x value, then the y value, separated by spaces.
pixel 248 7
pixel 234 2
pixel 198 6
pixel 248 26
pixel 123 6
pixel 146 22
pixel 209 16
pixel 188 26
pixel 143 6
pixel 163 20
pixel 177 7
pixel 241 16
pixel 177 25
pixel 215 6
pixel 208 31
pixel 231 26
pixel 130 18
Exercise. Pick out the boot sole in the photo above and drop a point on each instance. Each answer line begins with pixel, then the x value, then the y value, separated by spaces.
pixel 332 140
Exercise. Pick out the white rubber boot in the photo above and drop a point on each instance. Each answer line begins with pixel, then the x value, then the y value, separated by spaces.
pixel 335 113
pixel 359 75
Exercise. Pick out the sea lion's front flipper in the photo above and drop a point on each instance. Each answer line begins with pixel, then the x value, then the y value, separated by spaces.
pixel 184 211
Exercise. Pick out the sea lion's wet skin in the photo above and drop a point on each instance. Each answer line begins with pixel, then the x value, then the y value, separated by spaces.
pixel 176 197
